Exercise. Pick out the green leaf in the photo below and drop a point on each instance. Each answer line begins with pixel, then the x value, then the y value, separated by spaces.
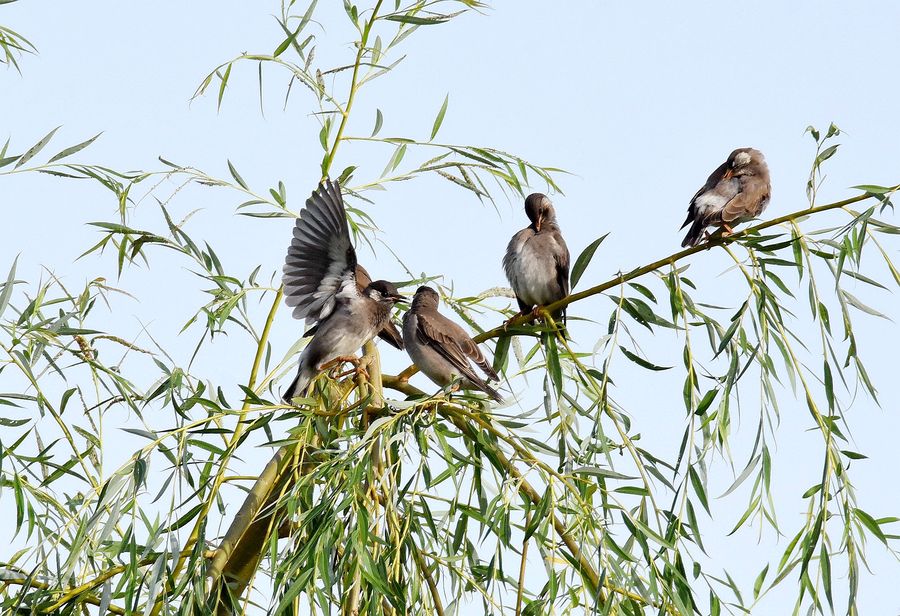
pixel 642 362
pixel 854 455
pixel 870 523
pixel 827 153
pixel 237 176
pixel 539 515
pixel 757 585
pixel 74 149
pixel 813 490
pixel 825 564
pixel 287 42
pixel 861 306
pixel 706 401
pixel 8 287
pixel 873 189
pixel 584 259
pixel 222 84
pixel 379 120
pixel 698 488
pixel 418 21
pixel 37 147
pixel 742 477
pixel 440 118
pixel 602 472
pixel 554 368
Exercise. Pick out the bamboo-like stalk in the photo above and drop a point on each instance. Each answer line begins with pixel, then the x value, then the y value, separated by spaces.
pixel 258 499
pixel 232 445
pixel 429 579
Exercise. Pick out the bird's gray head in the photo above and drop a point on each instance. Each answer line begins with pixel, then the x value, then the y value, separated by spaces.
pixel 539 209
pixel 746 161
pixel 425 297
pixel 384 292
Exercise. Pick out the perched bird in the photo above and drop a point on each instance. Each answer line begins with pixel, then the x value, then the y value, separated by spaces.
pixel 737 191
pixel 440 348
pixel 388 333
pixel 537 259
pixel 320 284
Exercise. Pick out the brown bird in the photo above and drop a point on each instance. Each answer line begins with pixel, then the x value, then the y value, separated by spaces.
pixel 537 258
pixel 737 191
pixel 440 348
pixel 389 333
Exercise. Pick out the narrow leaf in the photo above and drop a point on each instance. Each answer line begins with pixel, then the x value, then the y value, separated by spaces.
pixel 74 149
pixel 37 147
pixel 584 259
pixel 440 118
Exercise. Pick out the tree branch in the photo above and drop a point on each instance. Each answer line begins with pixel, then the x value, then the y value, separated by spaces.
pixel 508 468
pixel 671 259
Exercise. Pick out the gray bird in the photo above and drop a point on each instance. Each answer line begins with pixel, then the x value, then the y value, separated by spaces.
pixel 388 333
pixel 737 191
pixel 537 258
pixel 440 348
pixel 320 284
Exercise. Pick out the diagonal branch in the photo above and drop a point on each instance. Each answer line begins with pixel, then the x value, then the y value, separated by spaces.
pixel 671 259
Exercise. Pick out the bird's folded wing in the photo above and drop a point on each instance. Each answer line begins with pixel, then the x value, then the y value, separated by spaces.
pixel 711 204
pixel 561 255
pixel 749 203
pixel 454 344
pixel 320 262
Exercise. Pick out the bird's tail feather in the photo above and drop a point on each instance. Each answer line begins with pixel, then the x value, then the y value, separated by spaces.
pixel 694 234
pixel 490 391
pixel 298 385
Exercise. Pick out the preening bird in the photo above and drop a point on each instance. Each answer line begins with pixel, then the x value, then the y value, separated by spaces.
pixel 440 348
pixel 320 284
pixel 737 191
pixel 537 258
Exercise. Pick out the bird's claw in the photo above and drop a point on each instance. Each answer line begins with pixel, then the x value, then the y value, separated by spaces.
pixel 359 366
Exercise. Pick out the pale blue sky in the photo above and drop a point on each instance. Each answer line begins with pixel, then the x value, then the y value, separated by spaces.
pixel 640 101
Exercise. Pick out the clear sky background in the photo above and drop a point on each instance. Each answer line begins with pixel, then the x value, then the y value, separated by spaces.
pixel 639 101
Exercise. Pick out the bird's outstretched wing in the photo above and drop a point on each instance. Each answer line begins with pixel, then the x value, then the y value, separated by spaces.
pixel 457 347
pixel 321 262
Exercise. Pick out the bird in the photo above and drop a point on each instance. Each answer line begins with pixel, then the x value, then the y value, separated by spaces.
pixel 737 191
pixel 440 348
pixel 320 284
pixel 537 258
pixel 388 333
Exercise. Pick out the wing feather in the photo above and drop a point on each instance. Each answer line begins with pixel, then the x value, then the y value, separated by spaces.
pixel 320 263
pixel 452 341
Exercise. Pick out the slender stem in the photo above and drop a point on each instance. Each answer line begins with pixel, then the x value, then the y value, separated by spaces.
pixel 232 446
pixel 432 587
pixel 522 567
pixel 354 86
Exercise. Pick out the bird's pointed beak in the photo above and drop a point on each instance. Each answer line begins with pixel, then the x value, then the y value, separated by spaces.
pixel 537 223
pixel 400 299
pixel 729 173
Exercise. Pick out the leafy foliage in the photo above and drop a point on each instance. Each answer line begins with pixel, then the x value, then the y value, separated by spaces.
pixel 13 44
pixel 382 499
